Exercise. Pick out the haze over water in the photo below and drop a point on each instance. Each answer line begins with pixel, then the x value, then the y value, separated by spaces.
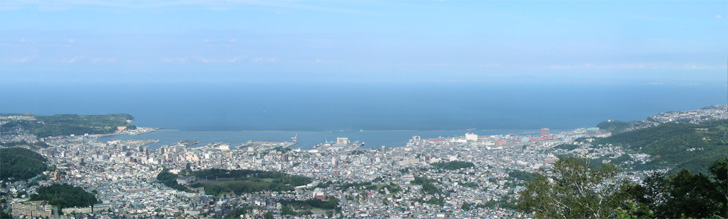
pixel 333 68
pixel 376 113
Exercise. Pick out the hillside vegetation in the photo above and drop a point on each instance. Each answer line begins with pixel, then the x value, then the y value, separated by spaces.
pixel 616 127
pixel 676 145
pixel 64 196
pixel 218 181
pixel 453 165
pixel 67 124
pixel 20 164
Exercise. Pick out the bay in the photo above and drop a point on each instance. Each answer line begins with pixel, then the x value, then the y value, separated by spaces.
pixel 235 112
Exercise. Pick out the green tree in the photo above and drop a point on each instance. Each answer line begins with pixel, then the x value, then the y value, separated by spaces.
pixel 453 165
pixel 573 190
pixel 287 210
pixel 4 215
pixel 684 194
pixel 20 164
pixel 633 210
pixel 719 169
pixel 236 213
pixel 64 195
pixel 465 206
pixel 268 215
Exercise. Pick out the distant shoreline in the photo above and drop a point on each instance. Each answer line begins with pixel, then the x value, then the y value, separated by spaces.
pixel 353 130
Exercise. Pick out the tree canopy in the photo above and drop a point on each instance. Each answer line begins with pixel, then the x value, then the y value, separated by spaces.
pixel 64 196
pixel 573 190
pixel 67 124
pixel 170 179
pixel 684 194
pixel 219 181
pixel 676 145
pixel 20 163
pixel 453 165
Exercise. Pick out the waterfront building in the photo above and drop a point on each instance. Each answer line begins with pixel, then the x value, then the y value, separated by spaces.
pixel 544 132
pixel 342 140
pixel 471 137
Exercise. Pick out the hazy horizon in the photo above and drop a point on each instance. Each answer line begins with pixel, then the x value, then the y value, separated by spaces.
pixel 574 42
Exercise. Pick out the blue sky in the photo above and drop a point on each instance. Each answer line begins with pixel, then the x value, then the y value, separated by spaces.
pixel 381 41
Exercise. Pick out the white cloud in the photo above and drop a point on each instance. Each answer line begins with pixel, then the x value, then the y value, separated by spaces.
pixel 24 59
pixel 698 66
pixel 205 41
pixel 568 21
pixel 718 16
pixel 71 41
pixel 135 4
pixel 641 65
pixel 174 60
pixel 264 60
pixel 328 61
pixel 207 60
pixel 102 60
pixel 72 60
pixel 559 67
pixel 236 59
pixel 22 40
pixel 438 64
pixel 232 41
pixel 637 65
pixel 221 60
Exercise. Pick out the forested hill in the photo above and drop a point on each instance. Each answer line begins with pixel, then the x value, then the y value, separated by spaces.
pixel 20 164
pixel 705 114
pixel 63 124
pixel 676 145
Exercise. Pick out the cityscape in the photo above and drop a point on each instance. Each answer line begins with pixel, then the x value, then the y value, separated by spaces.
pixel 318 109
pixel 367 183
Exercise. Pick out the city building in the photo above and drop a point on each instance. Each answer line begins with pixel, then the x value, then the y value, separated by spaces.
pixel 33 209
pixel 544 132
pixel 471 137
pixel 342 140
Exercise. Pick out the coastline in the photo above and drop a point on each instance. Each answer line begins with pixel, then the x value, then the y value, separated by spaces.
pixel 372 138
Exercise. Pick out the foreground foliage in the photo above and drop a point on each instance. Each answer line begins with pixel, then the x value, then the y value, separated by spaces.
pixel 683 195
pixel 574 189
pixel 20 164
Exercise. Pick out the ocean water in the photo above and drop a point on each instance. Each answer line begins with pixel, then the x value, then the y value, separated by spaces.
pixel 375 113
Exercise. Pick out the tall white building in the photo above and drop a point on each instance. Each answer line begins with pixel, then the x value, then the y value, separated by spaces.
pixel 342 140
pixel 471 137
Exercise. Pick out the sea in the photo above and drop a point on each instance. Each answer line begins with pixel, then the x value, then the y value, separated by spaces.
pixel 378 114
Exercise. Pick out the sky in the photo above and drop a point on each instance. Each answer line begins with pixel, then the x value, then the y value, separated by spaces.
pixel 655 42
